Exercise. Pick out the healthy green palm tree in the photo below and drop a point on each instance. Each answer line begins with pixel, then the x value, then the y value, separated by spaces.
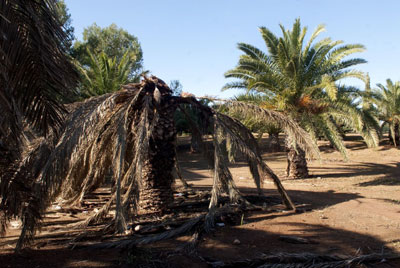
pixel 387 99
pixel 302 79
pixel 103 74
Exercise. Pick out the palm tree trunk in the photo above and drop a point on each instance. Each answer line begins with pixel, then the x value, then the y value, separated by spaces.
pixel 157 177
pixel 297 164
pixel 273 143
pixel 396 140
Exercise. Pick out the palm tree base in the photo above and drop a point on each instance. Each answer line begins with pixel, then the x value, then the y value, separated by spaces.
pixel 156 186
pixel 297 164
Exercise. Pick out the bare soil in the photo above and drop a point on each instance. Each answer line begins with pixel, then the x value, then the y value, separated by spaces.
pixel 345 208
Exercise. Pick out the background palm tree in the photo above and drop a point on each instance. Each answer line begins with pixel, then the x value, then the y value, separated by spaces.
pixel 35 75
pixel 301 79
pixel 103 74
pixel 387 100
pixel 115 42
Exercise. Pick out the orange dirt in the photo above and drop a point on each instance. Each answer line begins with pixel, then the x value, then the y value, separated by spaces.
pixel 349 208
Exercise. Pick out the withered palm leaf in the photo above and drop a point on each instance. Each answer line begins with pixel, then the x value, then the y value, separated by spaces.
pixel 35 70
pixel 35 75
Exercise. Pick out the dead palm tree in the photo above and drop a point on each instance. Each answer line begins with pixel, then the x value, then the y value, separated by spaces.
pixel 132 132
pixel 35 75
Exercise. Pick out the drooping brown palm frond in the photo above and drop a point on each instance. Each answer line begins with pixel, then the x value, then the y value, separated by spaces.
pixel 82 146
pixel 131 134
pixel 35 71
pixel 35 74
pixel 292 129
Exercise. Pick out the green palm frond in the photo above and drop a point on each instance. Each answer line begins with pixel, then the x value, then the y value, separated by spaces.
pixel 387 100
pixel 338 54
pixel 330 131
pixel 103 74
pixel 303 77
pixel 320 29
pixel 253 52
pixel 255 124
pixel 238 85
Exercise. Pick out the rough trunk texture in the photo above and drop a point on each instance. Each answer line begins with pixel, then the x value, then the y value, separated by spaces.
pixel 397 135
pixel 273 143
pixel 156 184
pixel 297 164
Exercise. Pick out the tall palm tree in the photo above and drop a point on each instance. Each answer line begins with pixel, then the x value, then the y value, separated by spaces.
pixel 35 75
pixel 302 79
pixel 387 99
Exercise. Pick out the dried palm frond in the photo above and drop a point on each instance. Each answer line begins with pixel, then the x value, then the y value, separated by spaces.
pixel 198 225
pixel 130 243
pixel 66 167
pixel 242 140
pixel 35 71
pixel 288 125
pixel 35 74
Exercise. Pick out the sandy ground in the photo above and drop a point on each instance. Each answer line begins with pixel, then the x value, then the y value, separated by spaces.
pixel 348 208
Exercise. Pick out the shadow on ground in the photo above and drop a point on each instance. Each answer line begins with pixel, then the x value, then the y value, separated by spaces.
pixel 50 250
pixel 391 170
pixel 321 240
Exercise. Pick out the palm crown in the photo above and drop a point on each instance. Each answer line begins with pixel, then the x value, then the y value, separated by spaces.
pixel 103 74
pixel 301 79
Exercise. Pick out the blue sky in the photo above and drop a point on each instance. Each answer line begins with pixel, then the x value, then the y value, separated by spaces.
pixel 195 41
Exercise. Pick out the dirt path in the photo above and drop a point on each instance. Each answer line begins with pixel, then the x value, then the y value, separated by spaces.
pixel 348 208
